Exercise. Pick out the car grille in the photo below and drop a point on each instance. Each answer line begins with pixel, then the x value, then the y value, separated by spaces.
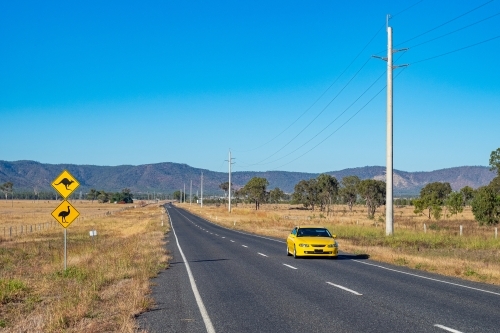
pixel 316 245
pixel 317 252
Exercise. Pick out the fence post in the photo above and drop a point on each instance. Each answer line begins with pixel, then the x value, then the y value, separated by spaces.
pixel 425 229
pixel 496 233
pixel 461 228
pixel 10 232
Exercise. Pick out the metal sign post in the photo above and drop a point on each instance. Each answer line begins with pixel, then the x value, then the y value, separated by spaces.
pixel 65 213
pixel 65 259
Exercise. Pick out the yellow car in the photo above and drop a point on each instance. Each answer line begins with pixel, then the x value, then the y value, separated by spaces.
pixel 311 240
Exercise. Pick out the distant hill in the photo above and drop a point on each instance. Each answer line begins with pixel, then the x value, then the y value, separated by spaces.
pixel 168 177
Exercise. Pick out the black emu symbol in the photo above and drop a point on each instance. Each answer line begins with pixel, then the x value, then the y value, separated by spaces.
pixel 66 182
pixel 63 214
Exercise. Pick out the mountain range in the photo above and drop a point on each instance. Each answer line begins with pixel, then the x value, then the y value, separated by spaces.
pixel 168 177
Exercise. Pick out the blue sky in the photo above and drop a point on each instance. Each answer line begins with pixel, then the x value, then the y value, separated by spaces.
pixel 117 82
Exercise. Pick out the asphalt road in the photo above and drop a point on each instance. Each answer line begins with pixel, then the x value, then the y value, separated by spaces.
pixel 246 283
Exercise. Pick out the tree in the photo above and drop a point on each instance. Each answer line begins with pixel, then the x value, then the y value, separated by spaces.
pixel 255 190
pixel 103 197
pixel 178 195
pixel 495 184
pixel 276 195
pixel 486 206
pixel 306 193
pixel 349 190
pixel 495 161
pixel 328 188
pixel 467 194
pixel 123 196
pixel 455 203
pixel 373 192
pixel 432 197
pixel 7 188
pixel 92 195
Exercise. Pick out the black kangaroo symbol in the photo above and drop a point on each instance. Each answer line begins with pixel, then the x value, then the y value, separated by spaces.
pixel 63 214
pixel 66 182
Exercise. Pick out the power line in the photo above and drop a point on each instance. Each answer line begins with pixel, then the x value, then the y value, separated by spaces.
pixel 348 120
pixel 460 49
pixel 404 10
pixel 445 23
pixel 316 101
pixel 333 121
pixel 329 103
pixel 454 31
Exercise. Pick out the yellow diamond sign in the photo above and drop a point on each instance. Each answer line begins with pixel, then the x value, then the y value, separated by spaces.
pixel 65 184
pixel 65 213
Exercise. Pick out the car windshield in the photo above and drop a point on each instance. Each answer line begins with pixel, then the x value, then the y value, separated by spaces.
pixel 313 232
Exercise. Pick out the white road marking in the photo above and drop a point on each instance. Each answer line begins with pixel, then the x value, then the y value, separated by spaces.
pixel 428 278
pixel 290 266
pixel 262 254
pixel 199 301
pixel 223 237
pixel 244 246
pixel 344 288
pixel 232 241
pixel 446 328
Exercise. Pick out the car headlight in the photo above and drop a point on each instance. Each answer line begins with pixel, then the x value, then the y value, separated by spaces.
pixel 333 245
pixel 304 245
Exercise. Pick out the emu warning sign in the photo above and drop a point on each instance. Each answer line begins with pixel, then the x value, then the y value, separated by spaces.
pixel 65 213
pixel 65 184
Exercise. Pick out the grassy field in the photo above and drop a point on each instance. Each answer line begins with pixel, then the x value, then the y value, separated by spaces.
pixel 107 280
pixel 440 249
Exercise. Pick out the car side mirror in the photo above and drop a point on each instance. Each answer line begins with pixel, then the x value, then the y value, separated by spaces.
pixel 334 236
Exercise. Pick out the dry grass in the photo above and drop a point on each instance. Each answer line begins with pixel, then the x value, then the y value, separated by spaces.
pixel 107 280
pixel 474 256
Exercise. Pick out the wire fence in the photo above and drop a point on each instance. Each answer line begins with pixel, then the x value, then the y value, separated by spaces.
pixel 19 230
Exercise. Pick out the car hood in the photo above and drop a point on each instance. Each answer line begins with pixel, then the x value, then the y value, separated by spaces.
pixel 315 240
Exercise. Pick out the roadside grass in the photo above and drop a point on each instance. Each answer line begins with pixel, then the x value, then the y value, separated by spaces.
pixel 106 283
pixel 439 249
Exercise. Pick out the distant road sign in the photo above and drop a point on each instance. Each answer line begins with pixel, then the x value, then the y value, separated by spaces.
pixel 65 213
pixel 65 184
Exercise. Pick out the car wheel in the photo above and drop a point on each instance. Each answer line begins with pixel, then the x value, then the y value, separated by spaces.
pixel 287 251
pixel 295 252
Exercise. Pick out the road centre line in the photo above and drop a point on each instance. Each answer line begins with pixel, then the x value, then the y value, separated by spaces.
pixel 446 328
pixel 241 232
pixel 223 237
pixel 428 278
pixel 344 288
pixel 199 301
pixel 244 246
pixel 232 241
pixel 290 266
pixel 262 254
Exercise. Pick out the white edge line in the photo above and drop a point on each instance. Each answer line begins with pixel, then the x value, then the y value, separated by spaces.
pixel 290 266
pixel 446 328
pixel 232 241
pixel 262 254
pixel 199 301
pixel 244 246
pixel 344 288
pixel 428 278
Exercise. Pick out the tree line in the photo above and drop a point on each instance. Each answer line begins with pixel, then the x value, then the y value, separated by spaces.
pixel 317 193
pixel 325 190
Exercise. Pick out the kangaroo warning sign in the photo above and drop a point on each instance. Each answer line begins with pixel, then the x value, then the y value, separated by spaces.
pixel 65 213
pixel 65 184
